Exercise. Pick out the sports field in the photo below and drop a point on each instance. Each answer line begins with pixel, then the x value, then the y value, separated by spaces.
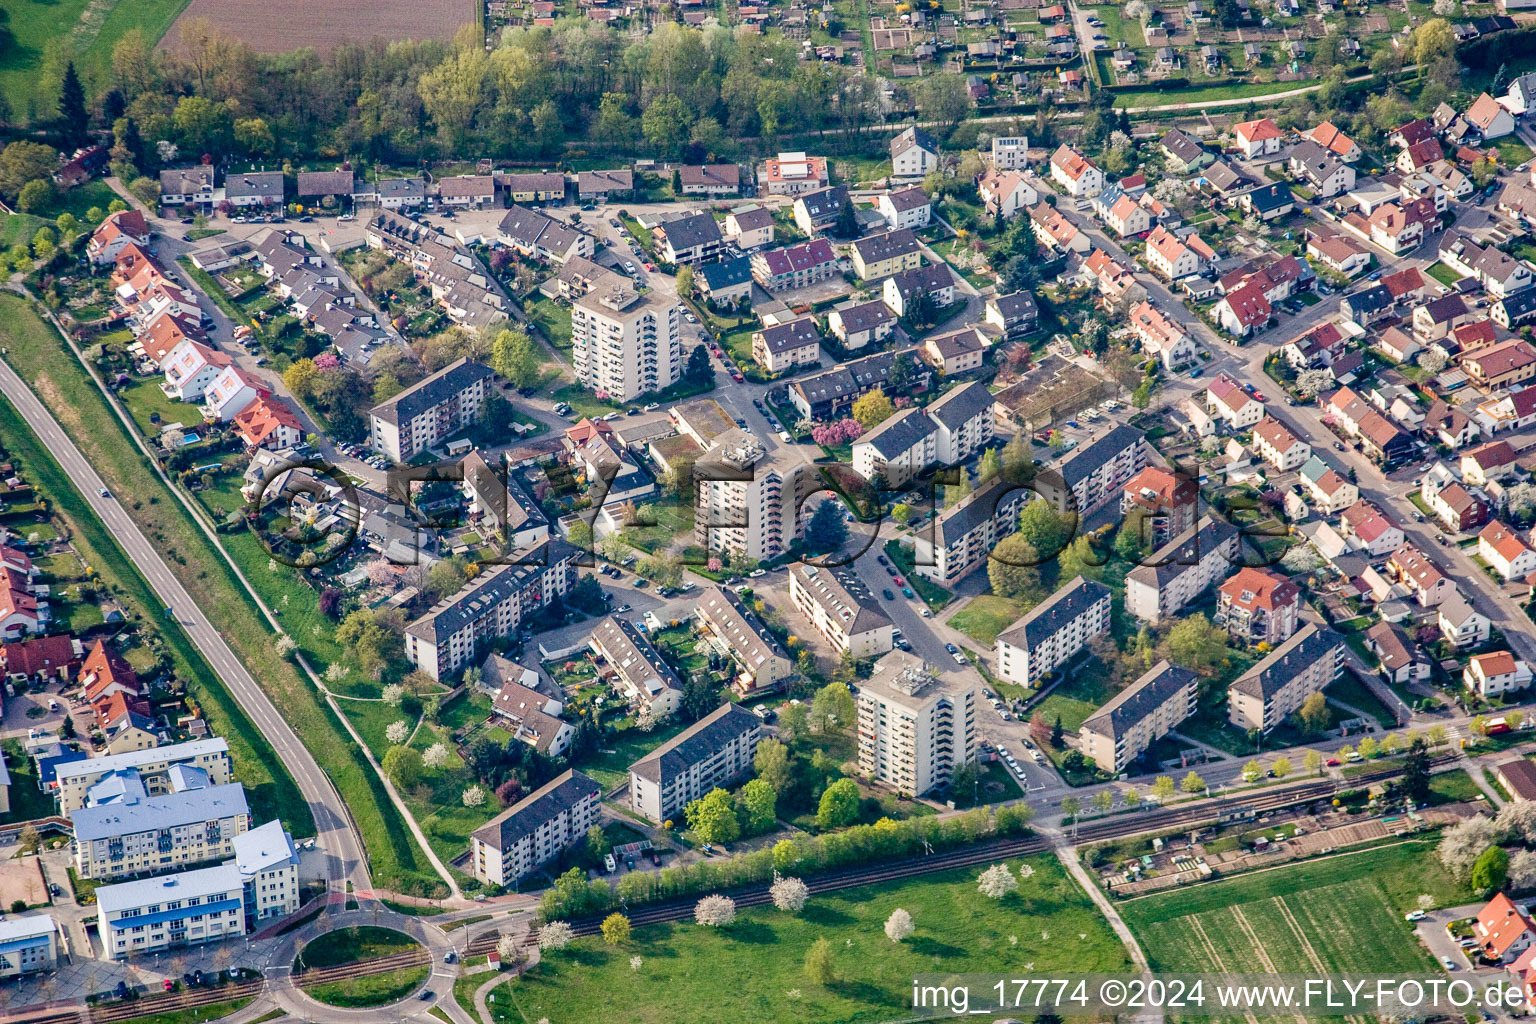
pixel 1340 914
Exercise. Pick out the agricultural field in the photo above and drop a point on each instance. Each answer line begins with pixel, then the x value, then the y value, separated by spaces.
pixel 276 27
pixel 1048 925
pixel 1331 915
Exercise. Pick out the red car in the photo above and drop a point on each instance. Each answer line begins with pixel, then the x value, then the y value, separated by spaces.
pixel 1332 762
pixel 169 984
pixel 899 581
pixel 651 267
pixel 738 378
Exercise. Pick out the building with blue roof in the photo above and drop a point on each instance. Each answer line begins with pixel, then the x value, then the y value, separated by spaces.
pixel 185 909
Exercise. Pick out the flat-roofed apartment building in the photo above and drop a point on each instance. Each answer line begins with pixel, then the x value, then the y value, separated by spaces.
pixel 840 608
pixel 624 342
pixel 1268 693
pixel 430 411
pixel 746 498
pixel 1094 473
pixel 1114 736
pixel 1053 631
pixel 535 830
pixel 139 834
pixel 153 766
pixel 644 676
pixel 762 663
pixel 1180 570
pixel 493 604
pixel 915 730
pixel 188 908
pixel 714 751
pixel 959 540
pixel 268 862
pixel 28 945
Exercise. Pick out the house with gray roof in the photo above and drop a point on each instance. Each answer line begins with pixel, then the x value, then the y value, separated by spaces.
pixel 717 750
pixel 431 410
pixel 1138 716
pixel 964 421
pixel 1270 692
pixel 254 188
pixel 1053 631
pixel 535 830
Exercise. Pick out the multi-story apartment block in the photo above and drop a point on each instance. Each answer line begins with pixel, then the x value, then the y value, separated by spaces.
pixel 535 830
pixel 714 751
pixel 28 945
pixel 1181 569
pixel 899 449
pixel 1272 690
pixel 1118 733
pixel 1169 500
pixel 762 663
pixel 188 908
pixel 268 862
pixel 625 343
pixel 1053 631
pixel 642 673
pixel 964 420
pixel 961 537
pixel 430 411
pixel 1274 442
pixel 914 730
pixel 840 607
pixel 1095 472
pixel 794 266
pixel 747 499
pixel 1010 153
pixel 138 834
pixel 493 604
pixel 878 256
pixel 74 781
pixel 786 345
pixel 1258 606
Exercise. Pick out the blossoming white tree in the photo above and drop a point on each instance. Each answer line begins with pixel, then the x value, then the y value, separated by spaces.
pixel 397 731
pixel 394 695
pixel 715 911
pixel 899 925
pixel 555 935
pixel 474 796
pixel 789 894
pixel 436 756
pixel 997 881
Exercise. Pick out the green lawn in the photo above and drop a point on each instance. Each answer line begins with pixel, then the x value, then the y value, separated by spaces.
pixel 193 1014
pixel 27 801
pixel 34 24
pixel 1349 691
pixel 1453 787
pixel 622 748
pixel 988 615
pixel 371 989
pixel 349 945
pixel 1077 697
pixel 1048 925
pixel 39 355
pixel 1512 152
pixel 554 319
pixel 1442 273
pixel 1322 916
pixel 144 400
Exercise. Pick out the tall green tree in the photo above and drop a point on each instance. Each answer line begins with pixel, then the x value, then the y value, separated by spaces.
pixel 75 122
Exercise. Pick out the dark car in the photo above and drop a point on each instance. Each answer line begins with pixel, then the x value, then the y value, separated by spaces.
pixel 426 994
pixel 886 593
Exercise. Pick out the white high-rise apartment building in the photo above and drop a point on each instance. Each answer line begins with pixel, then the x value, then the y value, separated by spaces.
pixel 746 499
pixel 625 343
pixel 914 730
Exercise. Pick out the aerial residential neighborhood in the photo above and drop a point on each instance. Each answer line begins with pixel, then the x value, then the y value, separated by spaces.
pixel 514 510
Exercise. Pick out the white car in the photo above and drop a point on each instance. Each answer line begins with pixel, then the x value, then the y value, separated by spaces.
pixel 1415 915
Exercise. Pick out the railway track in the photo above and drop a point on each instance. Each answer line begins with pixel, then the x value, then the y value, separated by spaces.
pixel 190 999
pixel 378 965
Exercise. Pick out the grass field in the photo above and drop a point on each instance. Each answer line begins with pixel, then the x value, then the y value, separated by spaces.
pixel 1049 924
pixel 987 615
pixel 1327 915
pixel 371 989
pixel 85 30
pixel 349 945
pixel 39 355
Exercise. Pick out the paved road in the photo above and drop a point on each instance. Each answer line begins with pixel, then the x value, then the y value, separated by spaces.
pixel 346 861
